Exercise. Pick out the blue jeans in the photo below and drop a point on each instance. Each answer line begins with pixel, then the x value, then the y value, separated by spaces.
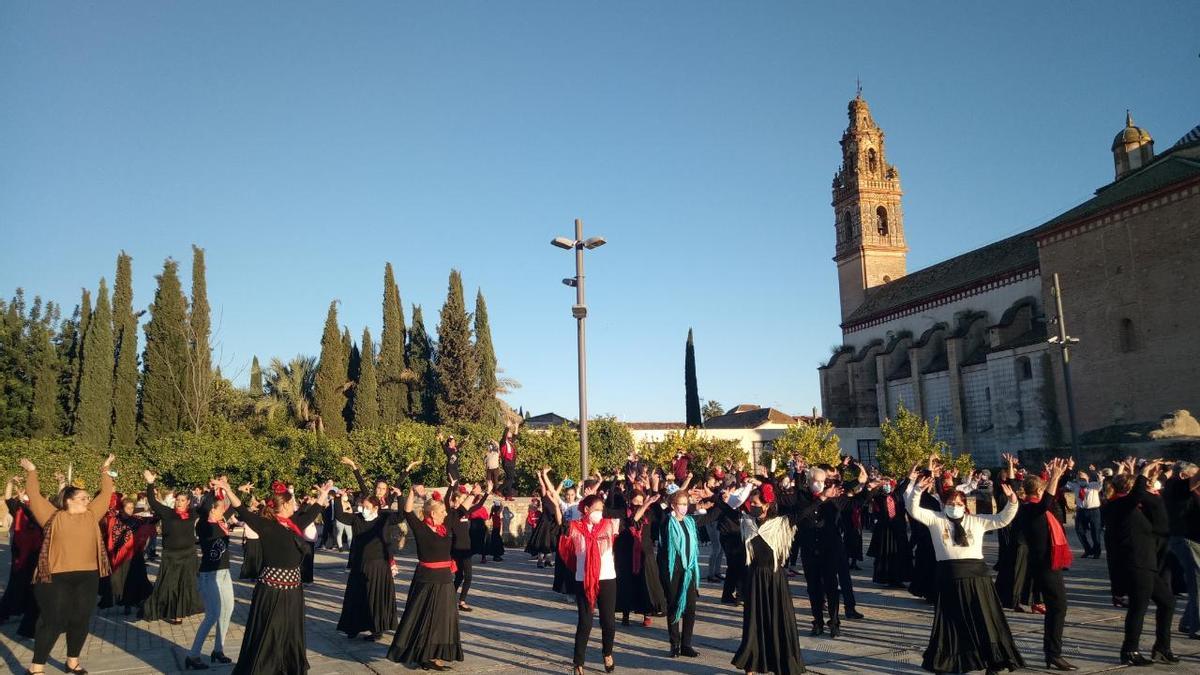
pixel 343 530
pixel 1087 522
pixel 1187 552
pixel 715 553
pixel 216 588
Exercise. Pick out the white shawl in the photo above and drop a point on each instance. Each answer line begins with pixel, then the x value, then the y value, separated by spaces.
pixel 777 532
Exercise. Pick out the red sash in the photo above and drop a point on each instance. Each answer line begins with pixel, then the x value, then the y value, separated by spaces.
pixel 441 565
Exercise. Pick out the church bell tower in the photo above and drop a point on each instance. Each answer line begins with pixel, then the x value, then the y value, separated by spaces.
pixel 868 220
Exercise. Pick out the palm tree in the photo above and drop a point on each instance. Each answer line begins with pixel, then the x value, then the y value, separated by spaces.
pixel 289 388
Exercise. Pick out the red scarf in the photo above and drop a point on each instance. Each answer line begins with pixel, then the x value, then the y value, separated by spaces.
pixel 891 506
pixel 27 538
pixel 532 518
pixel 635 531
pixel 220 522
pixel 440 529
pixel 591 565
pixel 183 515
pixel 1060 550
pixel 855 518
pixel 287 522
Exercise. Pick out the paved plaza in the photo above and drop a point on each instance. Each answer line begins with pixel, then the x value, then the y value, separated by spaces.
pixel 520 626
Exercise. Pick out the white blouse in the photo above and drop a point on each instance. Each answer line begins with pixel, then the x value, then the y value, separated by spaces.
pixel 943 534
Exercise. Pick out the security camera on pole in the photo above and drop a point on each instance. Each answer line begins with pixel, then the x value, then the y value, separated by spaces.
pixel 579 311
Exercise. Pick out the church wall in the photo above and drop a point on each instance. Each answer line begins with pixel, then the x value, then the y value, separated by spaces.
pixel 936 396
pixel 994 301
pixel 900 392
pixel 1140 265
pixel 977 409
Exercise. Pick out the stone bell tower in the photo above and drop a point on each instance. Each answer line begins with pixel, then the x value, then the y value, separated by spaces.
pixel 869 222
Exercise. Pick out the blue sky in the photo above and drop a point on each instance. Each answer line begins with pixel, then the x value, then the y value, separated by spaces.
pixel 303 144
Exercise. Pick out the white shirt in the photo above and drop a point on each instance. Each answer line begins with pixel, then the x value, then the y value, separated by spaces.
pixel 1091 500
pixel 608 566
pixel 569 511
pixel 740 495
pixel 942 532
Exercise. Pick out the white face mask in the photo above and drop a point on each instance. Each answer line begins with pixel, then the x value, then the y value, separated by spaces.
pixel 1157 486
pixel 594 517
pixel 955 511
pixel 681 509
pixel 817 487
pixel 370 515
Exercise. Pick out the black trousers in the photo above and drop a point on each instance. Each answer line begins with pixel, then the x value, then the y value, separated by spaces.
pixel 462 578
pixel 735 565
pixel 845 584
pixel 510 477
pixel 66 605
pixel 682 639
pixel 1054 595
pixel 606 603
pixel 821 577
pixel 1144 586
pixel 1087 528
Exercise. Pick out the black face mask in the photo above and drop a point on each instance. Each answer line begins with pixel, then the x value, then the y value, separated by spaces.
pixel 755 511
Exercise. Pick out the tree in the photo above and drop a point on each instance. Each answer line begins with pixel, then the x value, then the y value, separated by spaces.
pixel 455 363
pixel 45 418
pixel 256 378
pixel 393 389
pixel 125 373
pixel 353 366
pixel 85 320
pixel 692 394
pixel 68 345
pixel 198 383
pixel 96 380
pixel 16 394
pixel 816 443
pixel 366 391
pixel 712 409
pixel 329 394
pixel 419 355
pixel 166 359
pixel 907 439
pixel 289 389
pixel 489 385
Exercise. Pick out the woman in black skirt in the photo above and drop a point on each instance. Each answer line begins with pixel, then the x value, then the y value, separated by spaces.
pixel 125 537
pixel 629 555
pixel 176 594
pixel 26 542
pixel 369 605
pixel 495 541
pixel 924 582
pixel 459 503
pixel 251 546
pixel 889 540
pixel 535 545
pixel 274 643
pixel 770 643
pixel 428 632
pixel 969 630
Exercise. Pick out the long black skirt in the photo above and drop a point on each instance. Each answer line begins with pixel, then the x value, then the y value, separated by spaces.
pixel 251 559
pixel 893 557
pixel 656 596
pixel 429 628
pixel 306 567
pixel 127 586
pixel 924 575
pixel 369 605
pixel 19 591
pixel 770 643
pixel 1012 574
pixel 564 576
pixel 543 539
pixel 274 641
pixel 632 597
pixel 495 545
pixel 175 594
pixel 969 630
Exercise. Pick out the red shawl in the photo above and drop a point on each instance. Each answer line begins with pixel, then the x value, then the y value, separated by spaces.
pixel 27 538
pixel 532 518
pixel 287 522
pixel 440 529
pixel 591 566
pixel 1060 550
pixel 635 531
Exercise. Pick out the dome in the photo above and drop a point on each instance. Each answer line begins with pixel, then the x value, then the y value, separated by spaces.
pixel 1131 135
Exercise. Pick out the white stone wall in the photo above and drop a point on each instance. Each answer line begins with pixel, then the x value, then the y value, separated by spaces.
pixel 900 391
pixel 935 389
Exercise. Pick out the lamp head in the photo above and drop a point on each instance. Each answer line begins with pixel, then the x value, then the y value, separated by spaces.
pixel 594 242
pixel 563 242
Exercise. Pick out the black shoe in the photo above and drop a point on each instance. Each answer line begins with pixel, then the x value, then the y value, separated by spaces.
pixel 853 614
pixel 1160 656
pixel 609 666
pixel 77 670
pixel 219 657
pixel 689 652
pixel 430 665
pixel 462 607
pixel 817 629
pixel 1135 658
pixel 194 663
pixel 1059 663
pixel 541 564
pixel 372 637
pixel 835 629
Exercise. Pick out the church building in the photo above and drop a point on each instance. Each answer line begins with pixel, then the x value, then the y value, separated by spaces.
pixel 965 342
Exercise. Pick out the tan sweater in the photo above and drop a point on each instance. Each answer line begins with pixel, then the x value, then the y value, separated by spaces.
pixel 75 543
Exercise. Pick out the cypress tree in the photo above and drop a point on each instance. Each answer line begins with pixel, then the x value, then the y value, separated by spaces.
pixel 692 394
pixel 96 380
pixel 125 375
pixel 456 366
pixel 256 380
pixel 166 357
pixel 393 390
pixel 488 384
pixel 85 322
pixel 69 346
pixel 419 354
pixel 366 392
pixel 199 371
pixel 45 418
pixel 16 390
pixel 330 387
pixel 353 365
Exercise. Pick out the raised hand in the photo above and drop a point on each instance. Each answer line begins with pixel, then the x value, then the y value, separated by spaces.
pixel 349 462
pixel 245 488
pixel 1008 491
pixel 108 462
pixel 914 472
pixel 925 483
pixel 149 476
pixel 28 465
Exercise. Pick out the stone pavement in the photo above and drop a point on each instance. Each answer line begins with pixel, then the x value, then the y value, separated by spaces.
pixel 520 626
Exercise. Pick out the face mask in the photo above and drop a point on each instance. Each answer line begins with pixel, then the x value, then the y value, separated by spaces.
pixel 817 487
pixel 637 505
pixel 754 511
pixel 887 489
pixel 955 511
pixel 594 517
pixel 680 509
pixel 370 515
pixel 1157 486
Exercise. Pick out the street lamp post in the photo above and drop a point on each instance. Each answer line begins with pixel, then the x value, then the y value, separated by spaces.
pixel 579 311
pixel 1064 342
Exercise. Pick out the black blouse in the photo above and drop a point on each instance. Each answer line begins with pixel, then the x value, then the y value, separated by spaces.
pixel 431 548
pixel 214 546
pixel 280 547
pixel 370 537
pixel 177 534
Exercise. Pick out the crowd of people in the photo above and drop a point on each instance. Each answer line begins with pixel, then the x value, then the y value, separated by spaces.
pixel 624 543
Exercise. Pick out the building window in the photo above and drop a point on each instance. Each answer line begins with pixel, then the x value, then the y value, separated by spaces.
pixel 872 163
pixel 847 225
pixel 1024 368
pixel 881 221
pixel 867 449
pixel 1127 336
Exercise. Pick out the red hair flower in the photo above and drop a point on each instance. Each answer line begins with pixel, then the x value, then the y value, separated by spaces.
pixel 768 494
pixel 437 496
pixel 278 488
